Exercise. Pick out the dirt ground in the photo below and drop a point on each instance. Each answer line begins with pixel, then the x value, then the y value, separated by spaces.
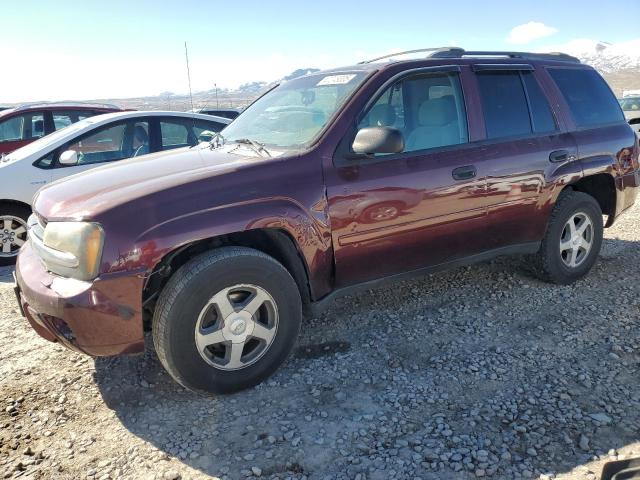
pixel 477 372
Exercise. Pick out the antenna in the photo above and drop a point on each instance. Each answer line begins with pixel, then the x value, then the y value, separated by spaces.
pixel 186 54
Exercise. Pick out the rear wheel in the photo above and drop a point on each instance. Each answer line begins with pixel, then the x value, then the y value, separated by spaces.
pixel 227 320
pixel 13 231
pixel 573 239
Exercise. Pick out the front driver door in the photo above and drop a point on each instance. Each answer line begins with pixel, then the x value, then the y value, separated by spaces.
pixel 426 206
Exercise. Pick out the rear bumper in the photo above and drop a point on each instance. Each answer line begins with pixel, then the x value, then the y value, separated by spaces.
pixel 630 188
pixel 99 318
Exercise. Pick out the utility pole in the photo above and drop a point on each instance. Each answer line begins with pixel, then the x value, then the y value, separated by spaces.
pixel 215 85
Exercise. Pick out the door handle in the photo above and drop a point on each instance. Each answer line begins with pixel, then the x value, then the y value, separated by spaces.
pixel 559 156
pixel 464 173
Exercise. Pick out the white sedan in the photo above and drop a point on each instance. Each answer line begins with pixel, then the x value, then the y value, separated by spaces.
pixel 82 146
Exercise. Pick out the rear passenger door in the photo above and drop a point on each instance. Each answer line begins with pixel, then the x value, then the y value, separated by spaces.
pixel 524 145
pixel 425 206
pixel 604 139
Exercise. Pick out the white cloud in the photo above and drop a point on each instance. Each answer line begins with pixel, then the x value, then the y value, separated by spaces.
pixel 527 32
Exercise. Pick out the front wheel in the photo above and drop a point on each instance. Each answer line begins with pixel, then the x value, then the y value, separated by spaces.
pixel 226 320
pixel 13 232
pixel 573 239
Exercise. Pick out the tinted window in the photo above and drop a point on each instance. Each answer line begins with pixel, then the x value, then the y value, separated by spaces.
pixel 174 135
pixel 64 118
pixel 113 142
pixel 631 104
pixel 427 109
pixel 590 99
pixel 541 116
pixel 11 129
pixel 22 127
pixel 504 104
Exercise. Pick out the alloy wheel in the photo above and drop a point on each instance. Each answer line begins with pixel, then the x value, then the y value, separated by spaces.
pixel 236 327
pixel 576 239
pixel 13 234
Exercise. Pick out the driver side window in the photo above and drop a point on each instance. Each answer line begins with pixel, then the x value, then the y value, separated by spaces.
pixel 428 109
pixel 112 142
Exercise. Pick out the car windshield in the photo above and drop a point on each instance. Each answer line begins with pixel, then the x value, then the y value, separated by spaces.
pixel 294 113
pixel 630 104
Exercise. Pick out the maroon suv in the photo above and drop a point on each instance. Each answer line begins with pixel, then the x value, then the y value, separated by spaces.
pixel 331 181
pixel 22 125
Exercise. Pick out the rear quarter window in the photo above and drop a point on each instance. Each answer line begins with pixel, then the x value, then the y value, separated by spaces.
pixel 590 99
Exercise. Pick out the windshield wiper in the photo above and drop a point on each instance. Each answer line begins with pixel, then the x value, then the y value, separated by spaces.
pixel 256 146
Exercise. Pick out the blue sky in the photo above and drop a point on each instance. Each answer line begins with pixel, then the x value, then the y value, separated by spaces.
pixel 78 50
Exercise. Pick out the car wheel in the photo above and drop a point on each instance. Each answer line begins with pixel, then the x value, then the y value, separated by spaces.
pixel 226 320
pixel 13 231
pixel 573 239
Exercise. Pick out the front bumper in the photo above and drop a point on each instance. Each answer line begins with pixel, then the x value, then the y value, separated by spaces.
pixel 99 318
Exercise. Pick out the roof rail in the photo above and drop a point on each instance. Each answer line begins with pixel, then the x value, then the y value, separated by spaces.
pixel 456 52
pixel 430 51
pixel 491 53
pixel 25 106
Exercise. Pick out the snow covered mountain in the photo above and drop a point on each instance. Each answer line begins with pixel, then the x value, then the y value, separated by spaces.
pixel 604 57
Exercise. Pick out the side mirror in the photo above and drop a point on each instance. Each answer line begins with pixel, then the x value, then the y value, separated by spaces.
pixel 378 140
pixel 69 157
pixel 206 136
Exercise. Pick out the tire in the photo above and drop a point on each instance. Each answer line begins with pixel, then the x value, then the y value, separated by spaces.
pixel 16 216
pixel 554 265
pixel 182 312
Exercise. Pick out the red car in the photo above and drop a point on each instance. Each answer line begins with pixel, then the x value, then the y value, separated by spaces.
pixel 22 125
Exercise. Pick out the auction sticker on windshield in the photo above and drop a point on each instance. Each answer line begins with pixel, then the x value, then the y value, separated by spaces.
pixel 336 80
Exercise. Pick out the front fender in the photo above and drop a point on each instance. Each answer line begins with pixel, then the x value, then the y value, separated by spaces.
pixel 309 230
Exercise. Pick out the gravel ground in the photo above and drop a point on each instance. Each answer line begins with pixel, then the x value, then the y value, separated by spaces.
pixel 477 372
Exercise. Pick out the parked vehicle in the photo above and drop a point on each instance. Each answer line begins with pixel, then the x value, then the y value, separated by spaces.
pixel 631 108
pixel 219 250
pixel 83 146
pixel 22 125
pixel 230 113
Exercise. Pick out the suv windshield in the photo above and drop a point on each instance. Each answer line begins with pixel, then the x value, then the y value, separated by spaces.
pixel 630 104
pixel 293 114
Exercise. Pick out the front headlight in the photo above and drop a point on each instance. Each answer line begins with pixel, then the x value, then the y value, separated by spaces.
pixel 73 249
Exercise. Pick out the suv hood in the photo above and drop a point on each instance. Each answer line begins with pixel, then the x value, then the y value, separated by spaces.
pixel 87 194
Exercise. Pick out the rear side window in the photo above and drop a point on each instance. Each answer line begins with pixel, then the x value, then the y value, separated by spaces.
pixel 590 99
pixel 23 127
pixel 64 118
pixel 541 116
pixel 504 103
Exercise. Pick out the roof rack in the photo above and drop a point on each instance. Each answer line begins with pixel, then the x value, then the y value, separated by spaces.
pixel 25 106
pixel 456 52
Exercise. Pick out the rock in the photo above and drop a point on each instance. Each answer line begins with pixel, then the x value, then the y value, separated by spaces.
pixel 584 443
pixel 601 417
pixel 256 471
